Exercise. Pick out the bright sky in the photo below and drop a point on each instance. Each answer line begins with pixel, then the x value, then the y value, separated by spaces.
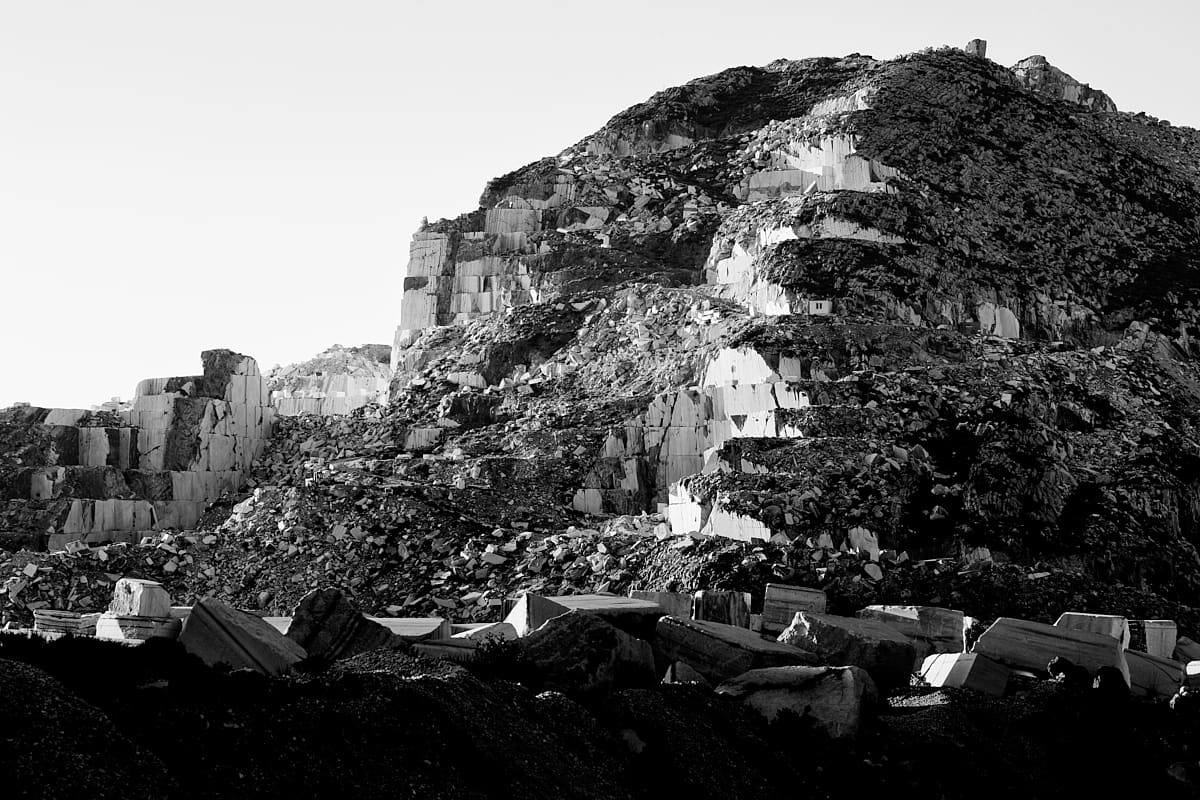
pixel 176 176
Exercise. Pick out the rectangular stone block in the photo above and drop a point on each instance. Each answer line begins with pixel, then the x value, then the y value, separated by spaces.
pixel 1116 627
pixel 1021 644
pixel 966 671
pixel 931 629
pixel 781 602
pixel 676 604
pixel 720 652
pixel 726 607
pixel 140 598
pixel 1161 637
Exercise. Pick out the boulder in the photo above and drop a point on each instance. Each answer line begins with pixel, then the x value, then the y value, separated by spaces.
pixel 931 629
pixel 579 653
pixel 781 603
pixel 138 598
pixel 1021 644
pixel 218 634
pixel 966 671
pixel 1109 625
pixel 531 612
pixel 886 655
pixel 328 626
pixel 720 652
pixel 834 699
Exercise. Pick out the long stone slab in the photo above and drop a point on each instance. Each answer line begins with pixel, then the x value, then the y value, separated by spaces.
pixel 1021 644
pixel 720 652
pixel 930 628
pixel 634 616
pixel 888 656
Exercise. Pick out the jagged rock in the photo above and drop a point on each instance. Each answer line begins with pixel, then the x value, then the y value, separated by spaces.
pixel 1037 74
pixel 886 655
pixel 720 652
pixel 580 653
pixel 218 634
pixel 1026 645
pixel 834 699
pixel 328 626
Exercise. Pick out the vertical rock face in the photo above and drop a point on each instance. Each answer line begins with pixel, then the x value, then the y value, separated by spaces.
pixel 1037 74
pixel 113 475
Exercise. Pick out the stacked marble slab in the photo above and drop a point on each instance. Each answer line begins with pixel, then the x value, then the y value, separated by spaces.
pixel 112 476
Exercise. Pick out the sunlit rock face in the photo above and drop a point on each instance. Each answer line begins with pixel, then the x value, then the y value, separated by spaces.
pixel 333 383
pixel 693 310
pixel 1039 75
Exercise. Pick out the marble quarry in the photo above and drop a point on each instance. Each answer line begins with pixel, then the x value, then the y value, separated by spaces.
pixel 112 476
pixel 333 383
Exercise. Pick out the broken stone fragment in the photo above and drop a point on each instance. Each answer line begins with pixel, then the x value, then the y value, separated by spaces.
pixel 887 655
pixel 720 652
pixel 218 634
pixel 579 653
pixel 836 700
pixel 966 671
pixel 138 598
pixel 1021 644
pixel 328 626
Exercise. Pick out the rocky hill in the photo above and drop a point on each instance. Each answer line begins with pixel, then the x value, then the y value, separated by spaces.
pixel 903 329
pixel 920 332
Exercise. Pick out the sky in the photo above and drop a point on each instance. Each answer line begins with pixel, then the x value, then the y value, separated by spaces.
pixel 178 176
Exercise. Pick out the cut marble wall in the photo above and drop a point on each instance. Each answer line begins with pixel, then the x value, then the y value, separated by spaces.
pixel 176 451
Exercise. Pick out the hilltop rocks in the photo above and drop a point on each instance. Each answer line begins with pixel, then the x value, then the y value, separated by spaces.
pixel 334 382
pixel 1037 74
